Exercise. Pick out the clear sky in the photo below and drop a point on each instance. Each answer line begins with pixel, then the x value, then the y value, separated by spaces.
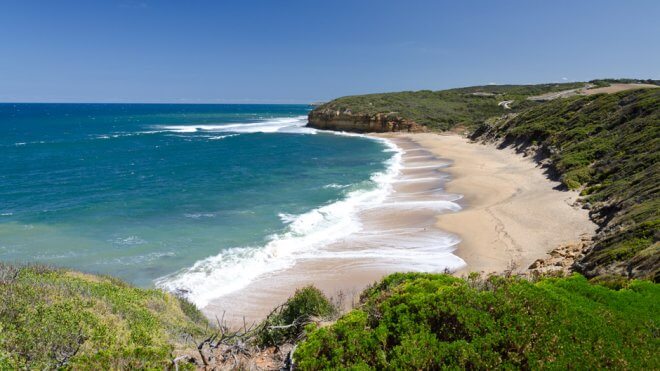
pixel 300 51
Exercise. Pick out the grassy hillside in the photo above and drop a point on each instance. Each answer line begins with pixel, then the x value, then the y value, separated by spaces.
pixel 52 318
pixel 608 146
pixel 442 110
pixel 431 321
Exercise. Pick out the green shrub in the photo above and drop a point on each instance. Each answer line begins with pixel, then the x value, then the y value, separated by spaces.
pixel 288 321
pixel 431 321
pixel 613 282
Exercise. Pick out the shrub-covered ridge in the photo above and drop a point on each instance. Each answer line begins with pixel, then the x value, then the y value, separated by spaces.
pixel 444 109
pixel 433 321
pixel 607 145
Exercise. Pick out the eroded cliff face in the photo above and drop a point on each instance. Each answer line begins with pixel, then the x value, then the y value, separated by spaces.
pixel 328 119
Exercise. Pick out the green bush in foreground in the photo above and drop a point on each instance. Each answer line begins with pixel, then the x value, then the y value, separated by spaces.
pixel 431 321
pixel 52 318
pixel 287 322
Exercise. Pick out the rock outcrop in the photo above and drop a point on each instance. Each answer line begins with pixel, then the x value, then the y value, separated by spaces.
pixel 562 259
pixel 328 119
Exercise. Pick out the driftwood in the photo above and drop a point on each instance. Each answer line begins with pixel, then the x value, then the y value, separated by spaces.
pixel 227 342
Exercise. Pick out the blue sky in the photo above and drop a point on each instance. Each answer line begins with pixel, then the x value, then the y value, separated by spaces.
pixel 301 51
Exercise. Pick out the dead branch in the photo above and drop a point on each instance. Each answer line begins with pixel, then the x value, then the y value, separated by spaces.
pixel 230 343
pixel 63 355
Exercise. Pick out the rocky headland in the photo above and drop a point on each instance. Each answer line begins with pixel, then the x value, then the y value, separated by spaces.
pixel 331 119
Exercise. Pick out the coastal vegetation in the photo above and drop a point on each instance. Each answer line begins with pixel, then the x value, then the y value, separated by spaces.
pixel 434 321
pixel 287 322
pixel 445 109
pixel 54 318
pixel 608 147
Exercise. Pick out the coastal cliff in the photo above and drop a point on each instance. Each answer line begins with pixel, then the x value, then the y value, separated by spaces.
pixel 426 110
pixel 452 109
pixel 330 119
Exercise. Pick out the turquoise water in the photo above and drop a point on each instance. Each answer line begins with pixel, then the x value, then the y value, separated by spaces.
pixel 144 192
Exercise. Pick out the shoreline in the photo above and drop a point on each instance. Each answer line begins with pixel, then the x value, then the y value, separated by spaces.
pixel 513 212
pixel 394 233
pixel 502 196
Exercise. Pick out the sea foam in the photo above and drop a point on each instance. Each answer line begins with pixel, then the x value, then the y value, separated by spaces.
pixel 294 125
pixel 307 234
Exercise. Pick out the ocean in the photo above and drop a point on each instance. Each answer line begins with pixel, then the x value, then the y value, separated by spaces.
pixel 196 199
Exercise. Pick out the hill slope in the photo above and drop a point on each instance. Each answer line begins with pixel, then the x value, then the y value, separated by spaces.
pixel 446 109
pixel 607 145
pixel 52 318
pixel 432 110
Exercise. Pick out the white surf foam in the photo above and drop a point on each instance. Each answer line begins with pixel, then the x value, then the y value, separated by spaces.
pixel 199 215
pixel 336 186
pixel 419 180
pixel 279 125
pixel 218 137
pixel 307 234
pixel 235 268
pixel 439 205
pixel 128 241
pixel 420 260
pixel 434 166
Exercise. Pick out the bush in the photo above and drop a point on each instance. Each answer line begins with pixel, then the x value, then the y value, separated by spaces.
pixel 432 321
pixel 52 318
pixel 287 322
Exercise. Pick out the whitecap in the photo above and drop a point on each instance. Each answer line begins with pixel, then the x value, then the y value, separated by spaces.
pixel 294 125
pixel 142 259
pixel 336 186
pixel 287 218
pixel 199 215
pixel 128 241
pixel 218 137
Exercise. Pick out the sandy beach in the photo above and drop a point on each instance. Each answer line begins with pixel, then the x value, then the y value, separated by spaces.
pixel 505 196
pixel 454 205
